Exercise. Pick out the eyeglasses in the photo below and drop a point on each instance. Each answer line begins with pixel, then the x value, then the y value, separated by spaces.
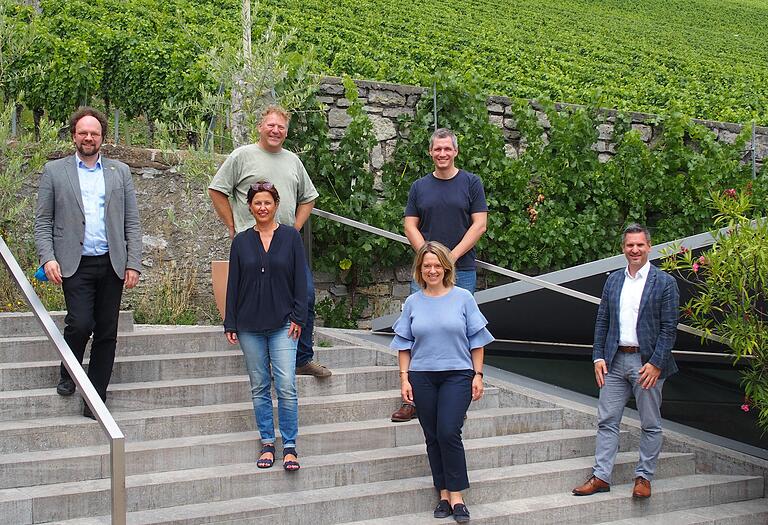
pixel 262 186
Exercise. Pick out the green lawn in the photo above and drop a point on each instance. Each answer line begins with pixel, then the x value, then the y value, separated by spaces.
pixel 708 57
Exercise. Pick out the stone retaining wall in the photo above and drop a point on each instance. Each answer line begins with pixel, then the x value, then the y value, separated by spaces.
pixel 386 102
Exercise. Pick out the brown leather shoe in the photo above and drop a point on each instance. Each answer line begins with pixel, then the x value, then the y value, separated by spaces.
pixel 642 488
pixel 404 413
pixel 312 369
pixel 592 485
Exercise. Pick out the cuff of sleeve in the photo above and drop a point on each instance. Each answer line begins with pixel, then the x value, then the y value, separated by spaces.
pixel 400 343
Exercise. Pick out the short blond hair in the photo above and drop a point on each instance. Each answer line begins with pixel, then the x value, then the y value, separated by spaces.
pixel 275 110
pixel 443 256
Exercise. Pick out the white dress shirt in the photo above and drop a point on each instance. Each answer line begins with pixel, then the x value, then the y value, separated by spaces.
pixel 629 305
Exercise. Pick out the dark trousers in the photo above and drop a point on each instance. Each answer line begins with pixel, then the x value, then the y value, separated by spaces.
pixel 443 398
pixel 305 352
pixel 92 296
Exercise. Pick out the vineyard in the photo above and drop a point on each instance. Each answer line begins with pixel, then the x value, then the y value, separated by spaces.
pixel 706 58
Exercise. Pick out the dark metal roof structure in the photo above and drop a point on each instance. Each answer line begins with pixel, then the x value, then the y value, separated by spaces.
pixel 525 312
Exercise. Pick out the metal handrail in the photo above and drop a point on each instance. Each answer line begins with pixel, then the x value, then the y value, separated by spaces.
pixel 99 409
pixel 540 283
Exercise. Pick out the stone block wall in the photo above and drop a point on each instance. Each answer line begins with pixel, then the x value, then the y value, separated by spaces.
pixel 385 102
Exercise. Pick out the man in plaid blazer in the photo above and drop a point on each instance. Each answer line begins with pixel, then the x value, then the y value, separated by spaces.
pixel 635 331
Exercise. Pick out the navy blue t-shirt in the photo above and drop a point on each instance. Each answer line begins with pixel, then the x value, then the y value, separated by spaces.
pixel 445 207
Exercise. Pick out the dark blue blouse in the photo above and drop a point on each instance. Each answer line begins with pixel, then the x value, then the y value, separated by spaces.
pixel 266 289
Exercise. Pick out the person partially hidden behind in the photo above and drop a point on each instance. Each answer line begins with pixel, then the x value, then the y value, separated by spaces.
pixel 88 239
pixel 634 334
pixel 267 160
pixel 440 337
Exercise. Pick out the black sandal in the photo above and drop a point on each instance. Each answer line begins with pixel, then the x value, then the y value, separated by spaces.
pixel 290 465
pixel 269 448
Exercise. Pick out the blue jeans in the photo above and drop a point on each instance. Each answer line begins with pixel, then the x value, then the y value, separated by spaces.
pixel 620 383
pixel 304 353
pixel 275 348
pixel 466 279
pixel 443 398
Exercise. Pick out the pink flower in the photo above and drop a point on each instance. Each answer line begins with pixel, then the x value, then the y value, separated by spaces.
pixel 730 193
pixel 695 267
pixel 702 260
pixel 683 249
pixel 745 407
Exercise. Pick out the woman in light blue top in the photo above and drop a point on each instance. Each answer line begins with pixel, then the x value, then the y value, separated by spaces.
pixel 440 337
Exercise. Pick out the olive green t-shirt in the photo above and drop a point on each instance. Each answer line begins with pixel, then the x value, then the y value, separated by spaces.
pixel 250 164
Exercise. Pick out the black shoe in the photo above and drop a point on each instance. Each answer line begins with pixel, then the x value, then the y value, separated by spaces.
pixel 461 513
pixel 66 387
pixel 443 509
pixel 87 413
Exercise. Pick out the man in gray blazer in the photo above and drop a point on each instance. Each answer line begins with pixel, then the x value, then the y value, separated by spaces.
pixel 635 331
pixel 88 240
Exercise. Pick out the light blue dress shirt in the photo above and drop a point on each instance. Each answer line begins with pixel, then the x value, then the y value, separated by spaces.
pixel 94 201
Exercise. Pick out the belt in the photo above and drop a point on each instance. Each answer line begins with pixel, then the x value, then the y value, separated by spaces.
pixel 629 349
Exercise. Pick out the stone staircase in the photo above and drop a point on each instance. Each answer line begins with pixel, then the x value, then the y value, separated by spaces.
pixel 182 398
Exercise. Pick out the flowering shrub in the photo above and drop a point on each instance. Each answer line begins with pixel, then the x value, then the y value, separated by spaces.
pixel 731 279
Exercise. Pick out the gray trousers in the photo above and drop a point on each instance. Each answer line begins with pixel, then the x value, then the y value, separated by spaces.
pixel 621 382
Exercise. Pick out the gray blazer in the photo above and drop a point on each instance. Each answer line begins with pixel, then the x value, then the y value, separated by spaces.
pixel 60 217
pixel 656 320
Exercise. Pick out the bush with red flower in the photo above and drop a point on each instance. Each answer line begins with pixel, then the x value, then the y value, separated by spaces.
pixel 731 302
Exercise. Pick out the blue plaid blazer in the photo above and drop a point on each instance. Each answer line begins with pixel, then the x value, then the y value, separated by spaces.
pixel 656 320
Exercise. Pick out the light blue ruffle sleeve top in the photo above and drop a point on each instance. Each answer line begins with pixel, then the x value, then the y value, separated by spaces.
pixel 440 331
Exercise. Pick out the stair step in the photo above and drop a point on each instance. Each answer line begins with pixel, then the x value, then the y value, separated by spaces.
pixel 67 431
pixel 81 463
pixel 128 369
pixel 138 342
pixel 381 499
pixel 26 324
pixel 190 340
pixel 150 395
pixel 670 494
pixel 356 470
pixel 135 368
pixel 751 512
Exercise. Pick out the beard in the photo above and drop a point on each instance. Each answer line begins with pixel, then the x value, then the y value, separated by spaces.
pixel 88 150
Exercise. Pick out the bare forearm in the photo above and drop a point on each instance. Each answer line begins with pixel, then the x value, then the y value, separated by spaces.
pixel 223 210
pixel 411 229
pixel 473 234
pixel 404 360
pixel 478 356
pixel 303 212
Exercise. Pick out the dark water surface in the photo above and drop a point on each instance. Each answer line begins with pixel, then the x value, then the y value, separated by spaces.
pixel 703 396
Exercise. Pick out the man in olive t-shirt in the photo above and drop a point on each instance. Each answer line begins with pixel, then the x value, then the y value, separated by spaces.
pixel 268 161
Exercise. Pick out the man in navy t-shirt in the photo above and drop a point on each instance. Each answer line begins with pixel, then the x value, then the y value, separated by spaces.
pixel 448 206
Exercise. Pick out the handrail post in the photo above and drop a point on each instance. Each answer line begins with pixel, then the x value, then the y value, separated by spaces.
pixel 117 473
